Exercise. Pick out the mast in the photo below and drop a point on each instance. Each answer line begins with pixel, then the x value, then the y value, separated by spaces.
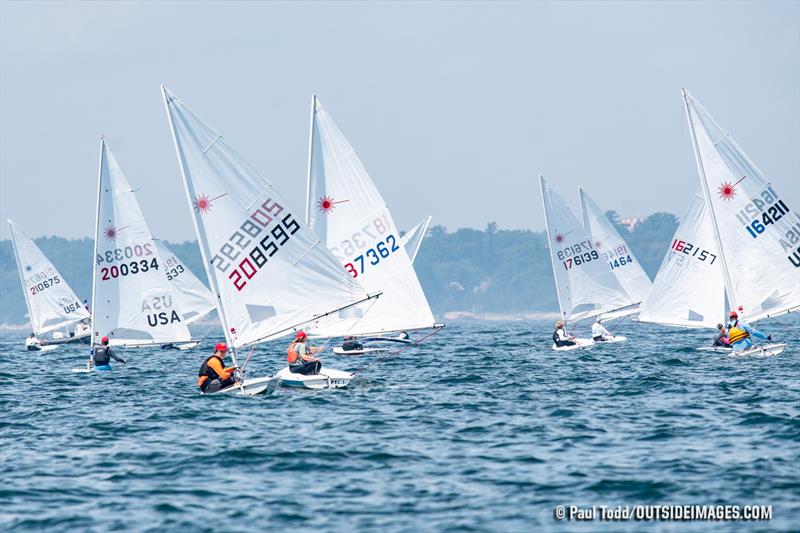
pixel 19 270
pixel 707 196
pixel 93 308
pixel 552 261
pixel 310 150
pixel 584 212
pixel 201 237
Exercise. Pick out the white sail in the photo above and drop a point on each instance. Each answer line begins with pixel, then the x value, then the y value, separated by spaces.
pixel 270 271
pixel 688 290
pixel 758 231
pixel 194 299
pixel 614 250
pixel 413 238
pixel 52 305
pixel 585 285
pixel 133 303
pixel 345 208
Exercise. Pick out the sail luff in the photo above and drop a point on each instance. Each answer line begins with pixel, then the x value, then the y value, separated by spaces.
pixel 202 239
pixel 93 308
pixel 19 271
pixel 550 249
pixel 310 155
pixel 709 205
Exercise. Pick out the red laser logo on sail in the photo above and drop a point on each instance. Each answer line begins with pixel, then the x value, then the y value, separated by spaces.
pixel 110 232
pixel 326 204
pixel 598 244
pixel 203 203
pixel 728 191
pixel 561 236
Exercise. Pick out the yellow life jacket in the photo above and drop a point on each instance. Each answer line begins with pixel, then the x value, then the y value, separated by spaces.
pixel 736 334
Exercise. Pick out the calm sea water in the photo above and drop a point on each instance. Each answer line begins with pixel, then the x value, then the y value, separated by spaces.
pixel 482 428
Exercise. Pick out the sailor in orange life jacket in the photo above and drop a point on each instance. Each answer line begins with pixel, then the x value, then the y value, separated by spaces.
pixel 301 356
pixel 213 376
pixel 739 333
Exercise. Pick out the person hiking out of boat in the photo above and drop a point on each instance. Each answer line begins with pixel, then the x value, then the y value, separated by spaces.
pixel 600 333
pixel 213 376
pixel 32 343
pixel 560 337
pixel 301 356
pixel 740 334
pixel 721 340
pixel 350 344
pixel 103 355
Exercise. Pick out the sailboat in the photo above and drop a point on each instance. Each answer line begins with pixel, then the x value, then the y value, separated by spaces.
pixel 759 249
pixel 412 239
pixel 53 307
pixel 585 285
pixel 133 302
pixel 346 210
pixel 194 299
pixel 615 251
pixel 270 273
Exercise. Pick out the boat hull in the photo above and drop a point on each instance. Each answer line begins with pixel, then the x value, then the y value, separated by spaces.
pixel 328 378
pixel 581 344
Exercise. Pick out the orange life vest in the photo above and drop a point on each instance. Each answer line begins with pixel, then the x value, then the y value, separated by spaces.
pixel 291 354
pixel 736 334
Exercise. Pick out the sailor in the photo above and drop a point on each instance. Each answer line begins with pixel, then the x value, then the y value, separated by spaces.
pixel 301 356
pixel 739 333
pixel 32 343
pixel 600 333
pixel 213 376
pixel 721 341
pixel 350 344
pixel 103 355
pixel 560 337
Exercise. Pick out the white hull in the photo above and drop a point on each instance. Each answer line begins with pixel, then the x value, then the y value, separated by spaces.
pixel 717 349
pixel 581 343
pixel 341 351
pixel 765 350
pixel 328 378
pixel 47 348
pixel 188 345
pixel 613 339
pixel 253 387
pixel 65 340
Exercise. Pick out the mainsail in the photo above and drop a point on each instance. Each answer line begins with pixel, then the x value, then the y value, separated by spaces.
pixel 270 272
pixel 585 284
pixel 757 231
pixel 688 290
pixel 614 250
pixel 133 303
pixel 52 305
pixel 345 209
pixel 194 299
pixel 413 238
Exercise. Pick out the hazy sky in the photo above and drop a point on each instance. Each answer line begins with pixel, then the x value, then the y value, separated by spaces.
pixel 453 107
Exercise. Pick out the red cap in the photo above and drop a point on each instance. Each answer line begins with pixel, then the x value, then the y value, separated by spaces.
pixel 104 340
pixel 300 335
pixel 733 313
pixel 221 347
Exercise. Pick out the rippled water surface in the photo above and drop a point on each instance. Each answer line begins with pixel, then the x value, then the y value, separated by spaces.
pixel 482 428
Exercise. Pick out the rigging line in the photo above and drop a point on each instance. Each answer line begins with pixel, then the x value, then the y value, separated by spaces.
pixel 395 352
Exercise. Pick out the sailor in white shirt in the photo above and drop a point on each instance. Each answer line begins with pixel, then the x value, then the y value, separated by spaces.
pixel 600 333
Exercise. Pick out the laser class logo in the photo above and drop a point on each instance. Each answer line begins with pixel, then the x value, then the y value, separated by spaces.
pixel 110 232
pixel 326 204
pixel 598 244
pixel 727 191
pixel 561 236
pixel 203 204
